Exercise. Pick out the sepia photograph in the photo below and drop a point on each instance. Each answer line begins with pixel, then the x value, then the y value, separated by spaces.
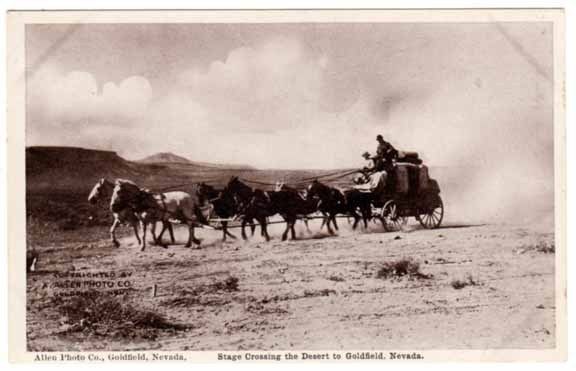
pixel 376 183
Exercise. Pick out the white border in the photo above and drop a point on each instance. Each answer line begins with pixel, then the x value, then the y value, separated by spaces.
pixel 32 4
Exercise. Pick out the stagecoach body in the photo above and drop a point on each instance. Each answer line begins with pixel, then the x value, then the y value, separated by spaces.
pixel 421 201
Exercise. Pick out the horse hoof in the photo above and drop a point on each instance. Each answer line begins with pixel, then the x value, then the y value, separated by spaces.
pixel 187 245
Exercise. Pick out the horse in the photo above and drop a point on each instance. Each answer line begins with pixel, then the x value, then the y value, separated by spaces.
pixel 260 205
pixel 292 206
pixel 154 207
pixel 224 205
pixel 281 186
pixel 252 204
pixel 359 205
pixel 332 202
pixel 103 190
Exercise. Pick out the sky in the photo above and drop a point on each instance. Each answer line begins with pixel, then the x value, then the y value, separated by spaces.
pixel 297 96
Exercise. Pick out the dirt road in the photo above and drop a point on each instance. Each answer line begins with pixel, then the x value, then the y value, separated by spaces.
pixel 475 287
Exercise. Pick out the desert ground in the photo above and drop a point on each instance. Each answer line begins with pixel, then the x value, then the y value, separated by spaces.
pixel 466 286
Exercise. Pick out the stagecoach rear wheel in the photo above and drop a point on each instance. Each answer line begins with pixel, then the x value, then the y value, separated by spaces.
pixel 432 216
pixel 391 218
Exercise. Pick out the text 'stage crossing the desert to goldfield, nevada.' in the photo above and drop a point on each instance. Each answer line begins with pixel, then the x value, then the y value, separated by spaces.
pixel 321 185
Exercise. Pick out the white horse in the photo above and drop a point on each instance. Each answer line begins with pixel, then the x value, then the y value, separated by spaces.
pixel 103 190
pixel 153 207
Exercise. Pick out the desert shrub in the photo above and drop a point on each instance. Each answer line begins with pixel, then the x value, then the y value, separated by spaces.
pixel 460 284
pixel 545 247
pixel 541 246
pixel 204 294
pixel 336 278
pixel 229 284
pixel 314 293
pixel 401 268
pixel 107 315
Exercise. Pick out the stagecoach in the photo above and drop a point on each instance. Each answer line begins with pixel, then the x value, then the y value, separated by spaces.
pixel 411 194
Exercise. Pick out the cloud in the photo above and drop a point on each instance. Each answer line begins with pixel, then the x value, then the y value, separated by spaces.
pixel 58 98
pixel 273 85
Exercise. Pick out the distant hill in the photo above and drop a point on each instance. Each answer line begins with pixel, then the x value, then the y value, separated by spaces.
pixel 171 158
pixel 68 167
pixel 163 157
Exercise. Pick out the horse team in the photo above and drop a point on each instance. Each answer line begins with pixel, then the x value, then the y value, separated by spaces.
pixel 142 208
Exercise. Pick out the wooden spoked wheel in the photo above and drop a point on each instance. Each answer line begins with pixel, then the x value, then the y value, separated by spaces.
pixel 391 218
pixel 432 217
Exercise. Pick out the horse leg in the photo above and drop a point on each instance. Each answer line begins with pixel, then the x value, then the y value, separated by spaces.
pixel 244 237
pixel 226 232
pixel 306 224
pixel 323 223
pixel 170 230
pixel 252 226
pixel 365 217
pixel 354 214
pixel 153 231
pixel 113 233
pixel 334 221
pixel 285 234
pixel 158 240
pixel 135 227
pixel 292 229
pixel 330 230
pixel 144 223
pixel 191 237
pixel 264 228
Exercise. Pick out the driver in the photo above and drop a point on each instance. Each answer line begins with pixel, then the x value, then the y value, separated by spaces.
pixel 385 154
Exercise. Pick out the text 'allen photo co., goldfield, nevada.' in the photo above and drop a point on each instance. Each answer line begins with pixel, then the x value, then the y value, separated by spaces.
pixel 247 186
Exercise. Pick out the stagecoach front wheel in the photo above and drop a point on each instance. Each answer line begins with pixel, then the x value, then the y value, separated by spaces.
pixel 431 217
pixel 391 218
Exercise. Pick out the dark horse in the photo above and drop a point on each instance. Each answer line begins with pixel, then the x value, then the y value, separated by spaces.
pixel 258 204
pixel 224 205
pixel 331 203
pixel 251 204
pixel 302 194
pixel 359 205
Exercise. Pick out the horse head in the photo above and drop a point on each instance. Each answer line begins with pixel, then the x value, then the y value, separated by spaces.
pixel 237 188
pixel 316 189
pixel 279 186
pixel 100 190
